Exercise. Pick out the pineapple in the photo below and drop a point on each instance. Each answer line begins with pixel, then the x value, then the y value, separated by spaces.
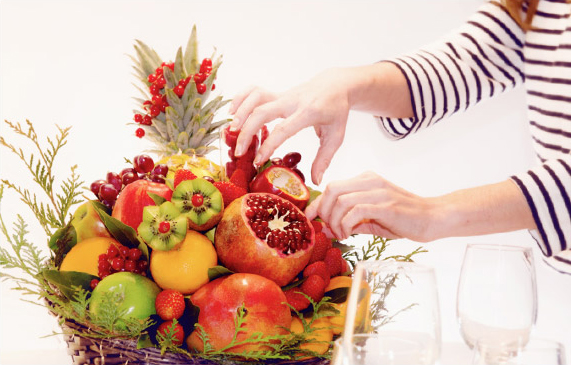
pixel 174 112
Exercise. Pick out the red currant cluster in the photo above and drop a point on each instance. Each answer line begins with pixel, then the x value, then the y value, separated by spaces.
pixel 290 160
pixel 120 258
pixel 143 168
pixel 157 82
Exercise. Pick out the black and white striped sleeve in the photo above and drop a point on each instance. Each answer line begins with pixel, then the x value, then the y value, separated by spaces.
pixel 482 58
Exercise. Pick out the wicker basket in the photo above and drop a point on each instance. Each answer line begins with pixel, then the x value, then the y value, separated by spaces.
pixel 86 351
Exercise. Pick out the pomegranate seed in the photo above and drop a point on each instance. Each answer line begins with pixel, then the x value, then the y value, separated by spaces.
pixel 104 266
pixel 134 254
pixel 112 251
pixel 117 263
pixel 140 132
pixel 164 227
pixel 197 200
pixel 123 251
pixel 130 265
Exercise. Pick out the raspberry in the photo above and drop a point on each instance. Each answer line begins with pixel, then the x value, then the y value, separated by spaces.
pixel 239 179
pixel 181 175
pixel 314 287
pixel 334 261
pixel 229 191
pixel 169 304
pixel 297 300
pixel 322 245
pixel 177 332
pixel 317 268
pixel 317 226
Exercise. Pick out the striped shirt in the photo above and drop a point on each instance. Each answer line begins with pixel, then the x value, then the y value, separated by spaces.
pixel 490 54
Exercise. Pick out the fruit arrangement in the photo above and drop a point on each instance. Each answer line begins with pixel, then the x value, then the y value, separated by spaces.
pixel 178 253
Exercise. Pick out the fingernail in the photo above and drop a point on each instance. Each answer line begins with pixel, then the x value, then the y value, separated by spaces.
pixel 235 122
pixel 319 178
pixel 239 150
pixel 257 160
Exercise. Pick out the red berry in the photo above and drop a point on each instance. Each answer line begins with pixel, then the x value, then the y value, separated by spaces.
pixel 334 261
pixel 138 118
pixel 161 82
pixel 117 263
pixel 317 268
pixel 103 266
pixel 154 89
pixel 140 132
pixel 164 227
pixel 201 88
pixel 159 71
pixel 142 265
pixel 130 265
pixel 169 304
pixel 151 78
pixel 93 283
pixel 229 191
pixel 181 175
pixel 170 65
pixel 147 120
pixel 207 62
pixel 213 87
pixel 197 200
pixel 123 251
pixel 157 99
pixel 199 78
pixel 112 251
pixel 134 254
pixel 179 90
pixel 177 332
pixel 297 300
pixel 314 287
pixel 154 111
pixel 322 245
pixel 102 257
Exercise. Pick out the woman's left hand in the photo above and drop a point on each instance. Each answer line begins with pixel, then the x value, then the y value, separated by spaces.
pixel 370 204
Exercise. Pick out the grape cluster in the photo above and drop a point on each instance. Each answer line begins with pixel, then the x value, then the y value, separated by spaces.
pixel 157 82
pixel 290 160
pixel 120 258
pixel 144 167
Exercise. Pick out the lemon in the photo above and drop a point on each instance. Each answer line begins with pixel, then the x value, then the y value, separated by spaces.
pixel 321 335
pixel 84 256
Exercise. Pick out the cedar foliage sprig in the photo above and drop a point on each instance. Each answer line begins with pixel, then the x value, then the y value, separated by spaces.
pixel 51 214
pixel 374 250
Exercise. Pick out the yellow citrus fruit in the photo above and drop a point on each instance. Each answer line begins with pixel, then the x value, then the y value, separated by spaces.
pixel 338 321
pixel 185 267
pixel 321 335
pixel 84 256
pixel 200 166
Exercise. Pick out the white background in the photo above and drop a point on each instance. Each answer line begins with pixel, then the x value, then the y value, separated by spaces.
pixel 66 63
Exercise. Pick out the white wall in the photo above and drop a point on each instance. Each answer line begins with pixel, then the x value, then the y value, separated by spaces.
pixel 66 63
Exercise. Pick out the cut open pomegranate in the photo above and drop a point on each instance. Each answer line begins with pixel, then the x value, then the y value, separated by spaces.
pixel 283 182
pixel 264 234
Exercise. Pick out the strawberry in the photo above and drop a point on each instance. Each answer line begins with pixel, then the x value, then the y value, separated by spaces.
pixel 297 300
pixel 317 226
pixel 317 268
pixel 322 244
pixel 182 175
pixel 230 191
pixel 169 304
pixel 166 328
pixel 239 179
pixel 314 287
pixel 230 137
pixel 334 261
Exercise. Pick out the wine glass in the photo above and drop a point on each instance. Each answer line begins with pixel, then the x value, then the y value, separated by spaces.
pixel 497 296
pixel 392 302
pixel 377 349
pixel 533 352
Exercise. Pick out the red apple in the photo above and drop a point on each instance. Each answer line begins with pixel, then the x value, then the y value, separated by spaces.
pixel 134 197
pixel 87 223
pixel 283 182
pixel 220 300
pixel 138 295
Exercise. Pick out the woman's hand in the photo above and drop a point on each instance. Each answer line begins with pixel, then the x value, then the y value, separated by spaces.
pixel 321 103
pixel 370 204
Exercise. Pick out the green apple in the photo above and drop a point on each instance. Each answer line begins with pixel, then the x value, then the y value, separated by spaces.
pixel 137 293
pixel 87 223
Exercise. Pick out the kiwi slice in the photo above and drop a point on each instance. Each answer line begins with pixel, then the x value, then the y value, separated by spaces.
pixel 200 201
pixel 163 227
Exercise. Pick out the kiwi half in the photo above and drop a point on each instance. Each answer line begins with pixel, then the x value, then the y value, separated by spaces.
pixel 163 227
pixel 200 201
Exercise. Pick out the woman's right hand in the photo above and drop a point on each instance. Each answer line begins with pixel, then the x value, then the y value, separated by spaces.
pixel 321 103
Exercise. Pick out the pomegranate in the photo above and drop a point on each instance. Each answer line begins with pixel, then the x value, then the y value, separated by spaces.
pixel 264 234
pixel 219 301
pixel 134 197
pixel 283 182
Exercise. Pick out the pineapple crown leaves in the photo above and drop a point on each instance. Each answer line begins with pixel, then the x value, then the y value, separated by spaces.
pixel 187 124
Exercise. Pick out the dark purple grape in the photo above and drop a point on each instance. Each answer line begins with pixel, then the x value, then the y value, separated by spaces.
pixel 114 179
pixel 160 169
pixel 277 161
pixel 96 185
pixel 129 177
pixel 143 163
pixel 126 170
pixel 299 173
pixel 209 179
pixel 157 179
pixel 292 159
pixel 107 192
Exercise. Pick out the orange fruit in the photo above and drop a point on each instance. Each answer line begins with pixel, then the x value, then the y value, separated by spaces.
pixel 84 256
pixel 321 336
pixel 338 321
pixel 184 268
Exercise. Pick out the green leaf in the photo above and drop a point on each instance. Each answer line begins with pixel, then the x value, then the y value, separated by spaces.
pixel 294 284
pixel 217 272
pixel 62 241
pixel 191 53
pixel 123 233
pixel 68 281
pixel 178 65
pixel 338 295
pixel 157 198
pixel 342 246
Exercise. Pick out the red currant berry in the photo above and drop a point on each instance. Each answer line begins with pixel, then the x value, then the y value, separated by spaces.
pixel 207 70
pixel 142 265
pixel 108 192
pixel 134 254
pixel 103 266
pixel 130 265
pixel 184 82
pixel 117 263
pixel 164 227
pixel 154 89
pixel 138 118
pixel 213 87
pixel 197 200
pixel 161 82
pixel 112 251
pixel 179 90
pixel 123 251
pixel 102 257
pixel 159 71
pixel 140 132
pixel 155 110
pixel 170 65
pixel 199 78
pixel 207 62
pixel 93 283
pixel 201 88
pixel 157 99
pixel 151 78
pixel 147 120
pixel 143 163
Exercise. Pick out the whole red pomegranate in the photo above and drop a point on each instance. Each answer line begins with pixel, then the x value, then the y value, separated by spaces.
pixel 134 197
pixel 264 234
pixel 219 301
